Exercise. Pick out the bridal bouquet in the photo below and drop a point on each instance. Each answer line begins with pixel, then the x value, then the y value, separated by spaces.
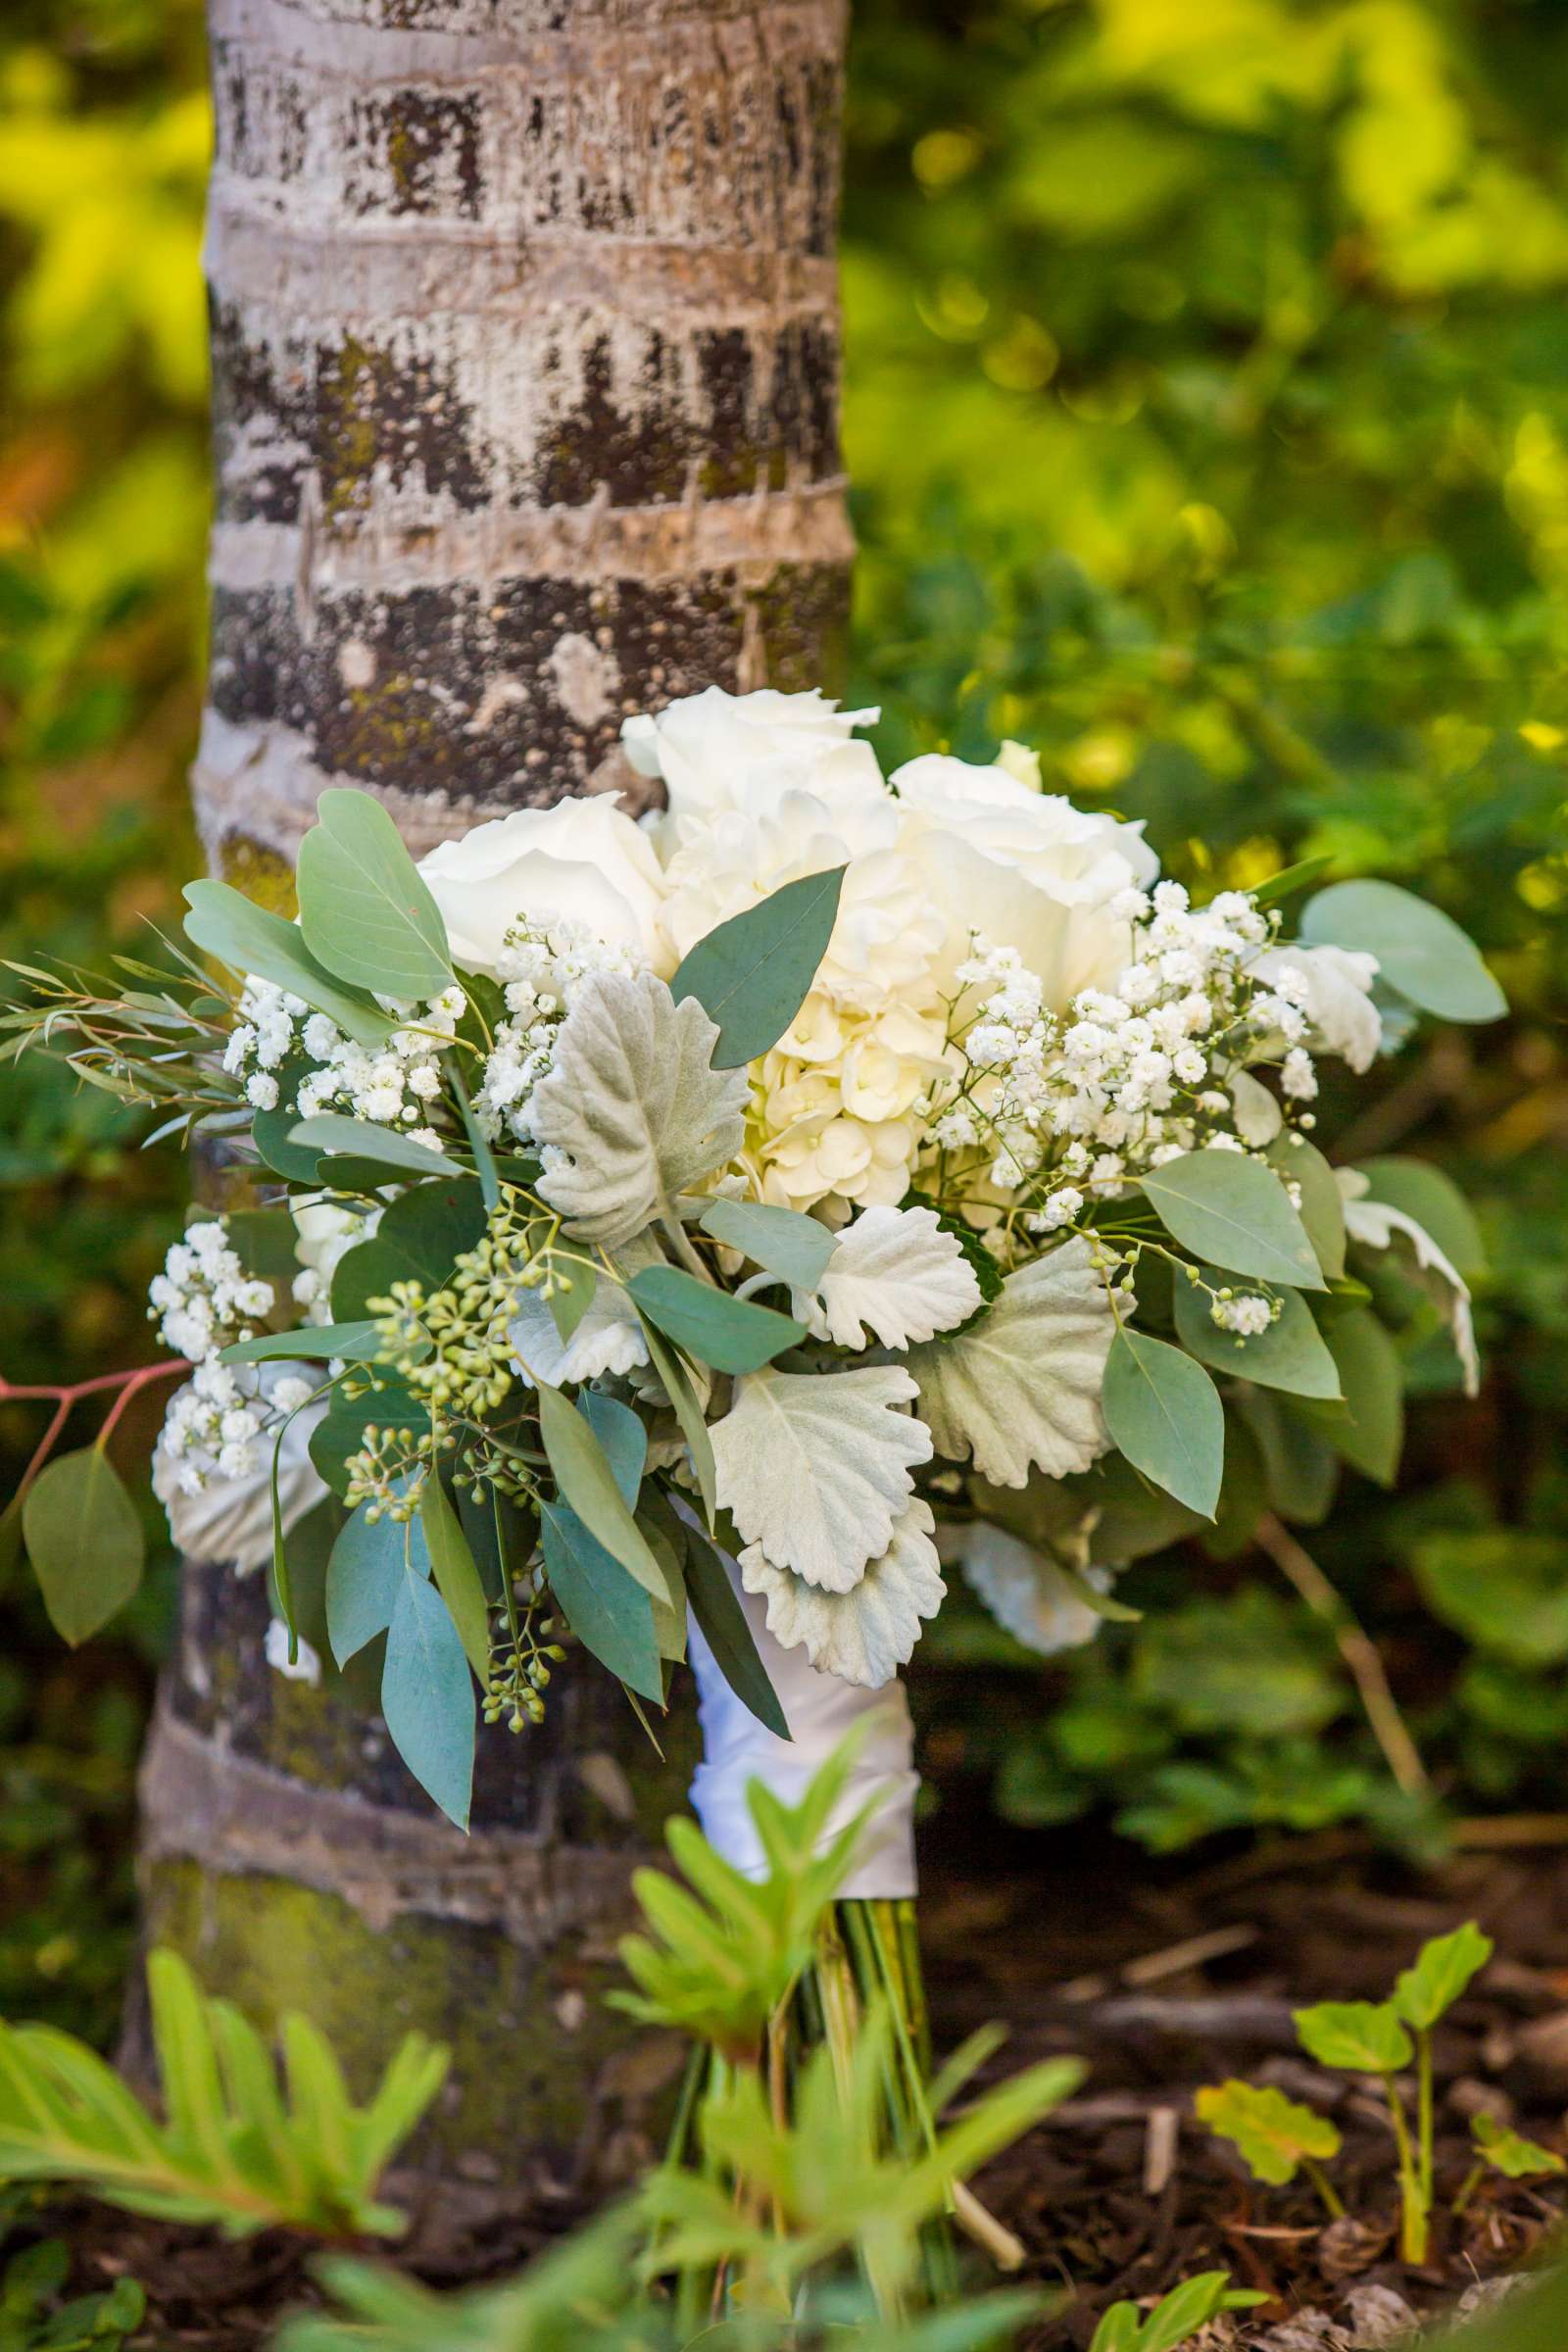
pixel 699 1234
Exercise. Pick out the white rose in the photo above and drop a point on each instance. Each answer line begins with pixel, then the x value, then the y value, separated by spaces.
pixel 1025 869
pixel 582 862
pixel 1336 999
pixel 716 751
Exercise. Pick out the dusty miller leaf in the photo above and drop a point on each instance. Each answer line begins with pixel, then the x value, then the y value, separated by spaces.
pixel 816 1466
pixel 633 1102
pixel 1020 1390
pixel 895 1273
pixel 865 1635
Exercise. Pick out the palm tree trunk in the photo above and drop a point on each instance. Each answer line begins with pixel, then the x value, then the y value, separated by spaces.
pixel 525 383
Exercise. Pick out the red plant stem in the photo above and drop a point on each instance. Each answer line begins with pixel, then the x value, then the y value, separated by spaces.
pixel 67 1395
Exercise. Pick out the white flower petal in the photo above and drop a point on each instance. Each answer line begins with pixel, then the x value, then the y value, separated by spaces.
pixel 816 1466
pixel 1377 1225
pixel 895 1273
pixel 865 1635
pixel 1024 1588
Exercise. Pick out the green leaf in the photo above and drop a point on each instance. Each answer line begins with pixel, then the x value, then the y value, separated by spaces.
pixel 340 1432
pixel 1362 2038
pixel 364 1577
pixel 455 1575
pixel 728 1333
pixel 752 974
pixel 263 1238
pixel 1442 1969
pixel 427 1697
pixel 1164 1414
pixel 1420 950
pixel 1509 2153
pixel 224 923
pixel 84 1539
pixel 1191 2306
pixel 1233 1212
pixel 484 1159
pixel 717 1610
pixel 623 1437
pixel 420 1237
pixel 270 1129
pixel 1504 1588
pixel 688 1411
pixel 795 1248
pixel 1292 878
pixel 611 1616
pixel 1369 1434
pixel 1291 1354
pixel 312 1343
pixel 1301 1467
pixel 1272 2132
pixel 382 1146
pixel 587 1482
pixel 366 911
pixel 1322 1208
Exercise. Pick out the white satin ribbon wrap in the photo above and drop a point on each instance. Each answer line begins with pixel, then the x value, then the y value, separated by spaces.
pixel 819 1710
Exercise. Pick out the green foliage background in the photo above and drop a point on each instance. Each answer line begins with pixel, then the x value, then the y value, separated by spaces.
pixel 1207 407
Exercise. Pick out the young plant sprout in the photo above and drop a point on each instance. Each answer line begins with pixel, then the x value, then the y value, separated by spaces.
pixel 1377 2040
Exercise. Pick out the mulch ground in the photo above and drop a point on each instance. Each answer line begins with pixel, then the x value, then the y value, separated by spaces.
pixel 1161 1978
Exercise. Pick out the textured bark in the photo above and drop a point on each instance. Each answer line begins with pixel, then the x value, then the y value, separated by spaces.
pixel 525 354
pixel 525 384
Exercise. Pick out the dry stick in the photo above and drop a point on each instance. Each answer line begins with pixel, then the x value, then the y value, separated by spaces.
pixel 1355 1647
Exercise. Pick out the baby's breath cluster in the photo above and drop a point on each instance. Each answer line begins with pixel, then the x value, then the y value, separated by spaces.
pixel 205 1301
pixel 395 1084
pixel 1067 1109
pixel 539 971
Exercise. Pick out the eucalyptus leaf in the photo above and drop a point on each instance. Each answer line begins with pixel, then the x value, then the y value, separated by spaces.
pixel 717 1610
pixel 456 1574
pixel 359 1343
pixel 364 1575
pixel 794 1248
pixel 752 974
pixel 1291 1354
pixel 422 1235
pixel 427 1697
pixel 1369 1433
pixel 688 1411
pixel 383 1147
pixel 365 910
pixel 1233 1212
pixel 623 1437
pixel 1164 1414
pixel 1322 1207
pixel 725 1333
pixel 1292 878
pixel 84 1539
pixel 1420 950
pixel 609 1613
pixel 1435 1202
pixel 222 922
pixel 588 1485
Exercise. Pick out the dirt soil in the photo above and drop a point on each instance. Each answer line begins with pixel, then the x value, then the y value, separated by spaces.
pixel 1162 1979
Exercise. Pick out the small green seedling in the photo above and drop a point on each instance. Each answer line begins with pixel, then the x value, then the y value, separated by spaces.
pixel 1277 2139
pixel 1380 2039
pixel 1502 2150
pixel 1177 2316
